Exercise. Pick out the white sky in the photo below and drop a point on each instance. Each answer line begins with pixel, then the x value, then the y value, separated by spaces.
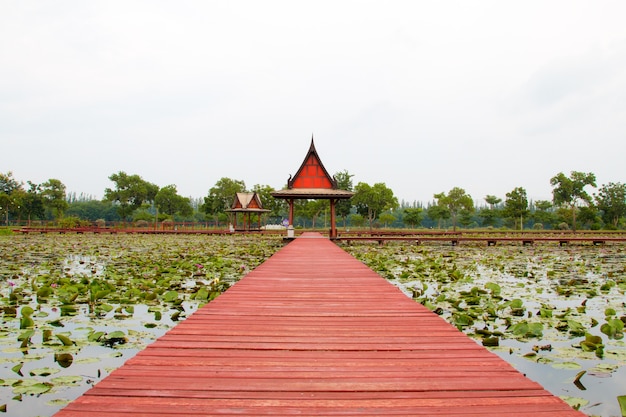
pixel 421 95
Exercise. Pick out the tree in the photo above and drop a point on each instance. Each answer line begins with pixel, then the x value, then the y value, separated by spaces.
pixel 438 213
pixel 169 202
pixel 387 218
pixel 456 201
pixel 412 216
pixel 32 202
pixel 53 193
pixel 611 201
pixel 490 215
pixel 311 209
pixel 568 191
pixel 370 201
pixel 544 213
pixel 93 210
pixel 221 196
pixel 516 205
pixel 8 184
pixel 277 206
pixel 131 191
pixel 357 220
pixel 344 206
pixel 8 188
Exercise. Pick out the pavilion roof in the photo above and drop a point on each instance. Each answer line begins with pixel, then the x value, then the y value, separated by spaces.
pixel 247 202
pixel 312 181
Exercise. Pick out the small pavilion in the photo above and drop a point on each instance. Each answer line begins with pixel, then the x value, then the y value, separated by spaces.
pixel 312 182
pixel 247 204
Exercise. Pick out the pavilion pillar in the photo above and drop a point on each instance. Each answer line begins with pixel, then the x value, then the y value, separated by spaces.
pixel 333 226
pixel 291 212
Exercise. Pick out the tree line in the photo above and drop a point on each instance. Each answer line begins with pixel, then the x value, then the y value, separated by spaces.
pixel 133 199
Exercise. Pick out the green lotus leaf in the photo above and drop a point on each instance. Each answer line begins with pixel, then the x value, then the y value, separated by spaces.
pixel 26 322
pixel 27 311
pixel 116 334
pixel 576 328
pixel 621 400
pixel 494 288
pixel 566 365
pixel 65 340
pixel 18 368
pixel 44 371
pixel 68 380
pixel 26 335
pixel 58 402
pixel 95 336
pixel 64 360
pixel 44 292
pixel 170 296
pixel 33 389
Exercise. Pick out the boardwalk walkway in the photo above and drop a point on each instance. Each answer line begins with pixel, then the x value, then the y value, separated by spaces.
pixel 314 332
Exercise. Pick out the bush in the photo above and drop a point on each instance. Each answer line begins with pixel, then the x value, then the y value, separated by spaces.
pixel 538 226
pixel 69 222
pixel 563 226
pixel 141 223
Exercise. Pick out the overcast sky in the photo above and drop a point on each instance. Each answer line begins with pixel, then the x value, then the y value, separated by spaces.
pixel 421 95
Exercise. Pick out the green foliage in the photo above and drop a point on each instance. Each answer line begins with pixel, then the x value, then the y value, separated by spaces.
pixel 344 206
pixel 72 222
pixel 357 220
pixel 277 206
pixel 455 202
pixel 412 216
pixel 130 192
pixel 516 205
pixel 568 191
pixel 370 201
pixel 611 201
pixel 168 201
pixel 221 196
pixel 93 210
pixel 54 198
pixel 387 218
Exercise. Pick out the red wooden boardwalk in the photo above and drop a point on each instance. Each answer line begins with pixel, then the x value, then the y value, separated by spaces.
pixel 313 331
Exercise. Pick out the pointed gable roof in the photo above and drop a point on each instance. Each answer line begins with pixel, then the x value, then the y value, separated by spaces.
pixel 312 173
pixel 247 202
pixel 312 181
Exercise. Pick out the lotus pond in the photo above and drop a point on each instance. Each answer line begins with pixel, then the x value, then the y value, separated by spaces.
pixel 75 307
pixel 556 313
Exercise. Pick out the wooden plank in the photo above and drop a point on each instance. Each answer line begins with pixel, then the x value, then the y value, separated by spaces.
pixel 312 331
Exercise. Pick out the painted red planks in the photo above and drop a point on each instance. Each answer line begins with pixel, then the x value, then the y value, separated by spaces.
pixel 313 331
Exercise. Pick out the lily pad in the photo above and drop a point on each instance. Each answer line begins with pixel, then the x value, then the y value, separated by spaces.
pixel 575 402
pixel 621 400
pixel 32 388
pixel 44 371
pixel 69 380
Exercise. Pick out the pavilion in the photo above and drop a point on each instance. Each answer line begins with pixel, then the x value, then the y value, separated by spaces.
pixel 247 204
pixel 312 182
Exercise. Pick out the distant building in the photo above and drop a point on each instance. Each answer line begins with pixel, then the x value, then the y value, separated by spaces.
pixel 247 204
